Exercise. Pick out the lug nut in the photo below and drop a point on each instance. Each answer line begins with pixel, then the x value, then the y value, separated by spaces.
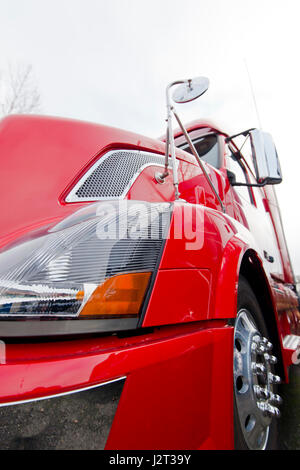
pixel 269 410
pixel 274 379
pixel 261 392
pixel 262 406
pixel 268 345
pixel 261 348
pixel 274 411
pixel 275 399
pixel 271 359
pixel 258 369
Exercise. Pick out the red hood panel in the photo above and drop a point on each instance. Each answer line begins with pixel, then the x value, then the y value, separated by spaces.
pixel 40 158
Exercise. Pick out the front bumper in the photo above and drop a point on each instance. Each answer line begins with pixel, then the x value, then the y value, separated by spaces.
pixel 177 393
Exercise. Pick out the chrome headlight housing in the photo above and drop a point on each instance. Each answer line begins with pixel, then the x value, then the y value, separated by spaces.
pixel 90 272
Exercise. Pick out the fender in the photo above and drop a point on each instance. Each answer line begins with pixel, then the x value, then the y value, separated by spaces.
pixel 228 276
pixel 193 279
pixel 193 285
pixel 227 281
pixel 241 252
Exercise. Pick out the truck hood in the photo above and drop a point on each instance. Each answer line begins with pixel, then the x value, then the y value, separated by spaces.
pixel 41 158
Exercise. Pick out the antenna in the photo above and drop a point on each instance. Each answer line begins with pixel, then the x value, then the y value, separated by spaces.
pixel 253 94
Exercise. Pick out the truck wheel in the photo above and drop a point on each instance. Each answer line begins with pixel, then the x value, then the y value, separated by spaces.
pixel 255 398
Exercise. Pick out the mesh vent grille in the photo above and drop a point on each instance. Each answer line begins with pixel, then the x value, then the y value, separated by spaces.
pixel 111 176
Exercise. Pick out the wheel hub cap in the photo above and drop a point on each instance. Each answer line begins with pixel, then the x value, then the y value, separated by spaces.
pixel 254 381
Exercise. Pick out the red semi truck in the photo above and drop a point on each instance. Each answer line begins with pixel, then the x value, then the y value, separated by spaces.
pixel 155 269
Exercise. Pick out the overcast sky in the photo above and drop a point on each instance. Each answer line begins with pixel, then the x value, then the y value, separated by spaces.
pixel 109 61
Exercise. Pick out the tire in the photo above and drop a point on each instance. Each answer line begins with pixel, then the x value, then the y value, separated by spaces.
pixel 255 427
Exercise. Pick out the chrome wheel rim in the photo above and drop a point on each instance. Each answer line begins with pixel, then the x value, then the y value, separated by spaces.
pixel 254 381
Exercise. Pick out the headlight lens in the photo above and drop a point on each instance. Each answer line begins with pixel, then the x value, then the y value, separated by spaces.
pixel 96 264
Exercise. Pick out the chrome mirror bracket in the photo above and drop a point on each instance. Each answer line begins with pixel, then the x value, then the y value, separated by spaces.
pixel 188 91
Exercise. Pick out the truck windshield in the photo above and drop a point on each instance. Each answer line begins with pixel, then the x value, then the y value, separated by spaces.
pixel 207 148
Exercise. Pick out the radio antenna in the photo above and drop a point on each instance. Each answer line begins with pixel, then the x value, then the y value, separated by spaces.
pixel 253 94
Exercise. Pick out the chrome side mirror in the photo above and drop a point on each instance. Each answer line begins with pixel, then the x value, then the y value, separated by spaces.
pixel 265 158
pixel 190 89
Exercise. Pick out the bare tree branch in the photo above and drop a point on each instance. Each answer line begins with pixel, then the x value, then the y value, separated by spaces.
pixel 18 91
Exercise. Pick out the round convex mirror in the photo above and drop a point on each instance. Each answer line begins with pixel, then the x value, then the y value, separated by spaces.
pixel 190 90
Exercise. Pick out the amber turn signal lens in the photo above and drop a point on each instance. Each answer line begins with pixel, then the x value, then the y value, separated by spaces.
pixel 118 296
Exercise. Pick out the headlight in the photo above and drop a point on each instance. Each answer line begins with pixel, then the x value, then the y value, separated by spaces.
pixel 95 265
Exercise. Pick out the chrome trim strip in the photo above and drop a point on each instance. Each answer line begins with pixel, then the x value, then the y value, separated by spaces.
pixel 72 197
pixel 57 327
pixel 71 392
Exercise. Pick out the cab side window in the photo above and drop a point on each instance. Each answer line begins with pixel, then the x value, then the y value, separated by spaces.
pixel 207 148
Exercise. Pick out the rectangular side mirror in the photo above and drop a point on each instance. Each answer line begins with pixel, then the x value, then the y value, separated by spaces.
pixel 265 158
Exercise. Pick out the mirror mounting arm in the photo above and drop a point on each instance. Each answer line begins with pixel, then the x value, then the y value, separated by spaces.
pixel 244 133
pixel 250 185
pixel 170 145
pixel 195 89
pixel 194 152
